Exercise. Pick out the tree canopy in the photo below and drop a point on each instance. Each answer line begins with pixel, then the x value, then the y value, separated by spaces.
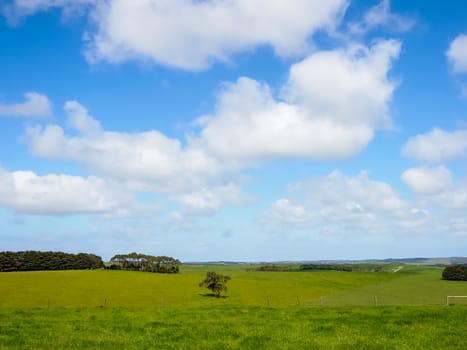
pixel 34 261
pixel 215 282
pixel 148 263
pixel 455 273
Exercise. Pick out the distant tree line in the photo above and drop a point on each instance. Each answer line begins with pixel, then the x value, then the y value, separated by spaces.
pixel 347 267
pixel 35 261
pixel 276 268
pixel 326 267
pixel 146 263
pixel 455 273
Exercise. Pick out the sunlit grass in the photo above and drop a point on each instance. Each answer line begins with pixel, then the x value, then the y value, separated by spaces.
pixel 262 310
pixel 231 327
pixel 136 289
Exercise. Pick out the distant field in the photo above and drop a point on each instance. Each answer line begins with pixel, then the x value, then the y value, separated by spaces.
pixel 410 285
pixel 401 308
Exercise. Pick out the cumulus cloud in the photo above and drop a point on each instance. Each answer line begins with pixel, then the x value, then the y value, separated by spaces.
pixel 436 187
pixel 209 199
pixel 22 8
pixel 330 106
pixel 380 15
pixel 80 120
pixel 312 120
pixel 268 128
pixel 354 205
pixel 179 33
pixel 437 146
pixel 455 197
pixel 348 86
pixel 354 194
pixel 56 194
pixel 145 161
pixel 427 180
pixel 288 214
pixel 341 204
pixel 457 54
pixel 35 105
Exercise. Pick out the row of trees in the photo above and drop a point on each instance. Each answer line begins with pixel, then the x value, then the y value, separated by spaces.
pixel 326 267
pixel 34 261
pixel 147 263
pixel 277 268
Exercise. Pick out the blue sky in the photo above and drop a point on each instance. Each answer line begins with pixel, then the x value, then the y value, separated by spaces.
pixel 234 129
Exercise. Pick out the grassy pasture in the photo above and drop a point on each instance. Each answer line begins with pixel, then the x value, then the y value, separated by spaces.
pixel 408 286
pixel 234 327
pixel 262 310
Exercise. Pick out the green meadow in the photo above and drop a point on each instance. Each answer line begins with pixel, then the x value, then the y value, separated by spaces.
pixel 399 308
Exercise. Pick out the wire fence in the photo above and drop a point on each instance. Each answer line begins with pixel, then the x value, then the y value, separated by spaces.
pixel 201 300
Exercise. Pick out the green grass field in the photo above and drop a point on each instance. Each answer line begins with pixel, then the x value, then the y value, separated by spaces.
pixel 230 327
pixel 412 285
pixel 262 310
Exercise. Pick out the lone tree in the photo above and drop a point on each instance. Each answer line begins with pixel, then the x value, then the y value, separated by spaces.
pixel 215 282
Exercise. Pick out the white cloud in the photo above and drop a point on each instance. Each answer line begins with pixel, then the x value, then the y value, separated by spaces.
pixel 145 161
pixel 427 180
pixel 209 200
pixel 380 15
pixel 179 33
pixel 436 146
pixel 457 54
pixel 287 214
pixel 261 127
pixel 348 86
pixel 79 119
pixel 455 197
pixel 353 194
pixel 249 125
pixel 354 205
pixel 22 8
pixel 346 205
pixel 436 188
pixel 332 103
pixel 35 105
pixel 53 194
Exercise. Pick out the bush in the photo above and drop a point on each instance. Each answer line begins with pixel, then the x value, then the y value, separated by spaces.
pixel 455 273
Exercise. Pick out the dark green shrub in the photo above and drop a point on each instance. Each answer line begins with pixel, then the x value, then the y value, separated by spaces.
pixel 455 273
